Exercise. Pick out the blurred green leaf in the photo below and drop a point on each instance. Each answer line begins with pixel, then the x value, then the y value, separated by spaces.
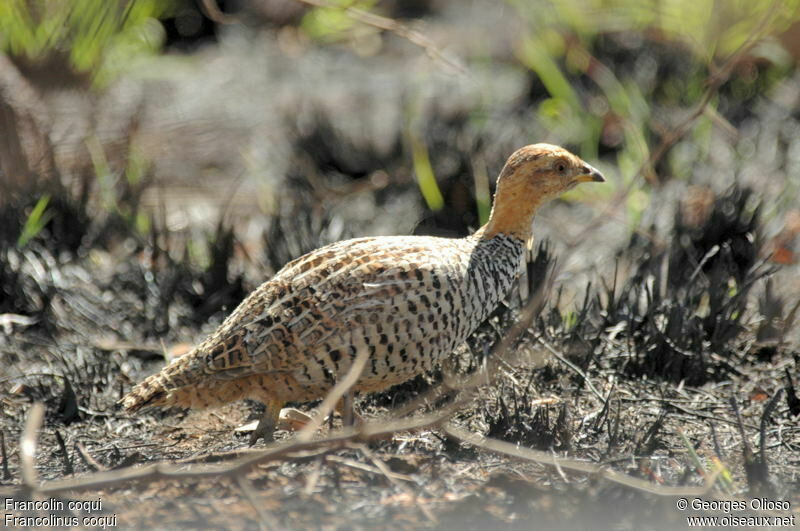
pixel 569 319
pixel 330 24
pixel 482 194
pixel 710 29
pixel 98 37
pixel 142 223
pixel 426 179
pixel 537 57
pixel 103 174
pixel 35 222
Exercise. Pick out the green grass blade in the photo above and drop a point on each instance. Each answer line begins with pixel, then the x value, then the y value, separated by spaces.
pixel 426 179
pixel 35 222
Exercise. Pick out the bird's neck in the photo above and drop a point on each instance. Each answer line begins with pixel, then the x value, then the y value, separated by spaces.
pixel 494 264
pixel 512 214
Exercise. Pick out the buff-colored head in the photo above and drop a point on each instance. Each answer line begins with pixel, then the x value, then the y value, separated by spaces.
pixel 532 175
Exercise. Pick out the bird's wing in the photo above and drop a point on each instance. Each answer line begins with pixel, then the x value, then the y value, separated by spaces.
pixel 320 299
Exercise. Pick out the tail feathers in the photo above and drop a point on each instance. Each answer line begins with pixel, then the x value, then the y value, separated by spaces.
pixel 169 387
pixel 149 393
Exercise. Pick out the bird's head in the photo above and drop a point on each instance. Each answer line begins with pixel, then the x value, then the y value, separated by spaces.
pixel 532 175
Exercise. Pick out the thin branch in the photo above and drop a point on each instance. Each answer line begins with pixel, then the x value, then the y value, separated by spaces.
pixel 392 26
pixel 572 366
pixel 4 455
pixel 27 445
pixel 313 477
pixel 213 12
pixel 544 458
pixel 334 395
pixel 395 479
pixel 357 465
pixel 88 459
pixel 180 470
pixel 246 486
pixel 713 82
pixel 343 438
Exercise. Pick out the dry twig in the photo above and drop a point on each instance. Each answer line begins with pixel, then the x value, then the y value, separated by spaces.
pixel 265 520
pixel 303 446
pixel 544 458
pixel 4 455
pixel 394 479
pixel 87 458
pixel 242 463
pixel 27 445
pixel 334 395
pixel 213 12
pixel 577 370
pixel 390 25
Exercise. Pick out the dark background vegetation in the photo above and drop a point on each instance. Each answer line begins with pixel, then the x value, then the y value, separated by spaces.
pixel 158 160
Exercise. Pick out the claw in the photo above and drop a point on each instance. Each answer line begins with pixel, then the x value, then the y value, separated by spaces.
pixel 265 430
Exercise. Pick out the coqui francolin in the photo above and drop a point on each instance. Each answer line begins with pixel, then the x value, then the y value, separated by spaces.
pixel 404 301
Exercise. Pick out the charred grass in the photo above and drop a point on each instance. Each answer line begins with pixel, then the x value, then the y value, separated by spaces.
pixel 683 392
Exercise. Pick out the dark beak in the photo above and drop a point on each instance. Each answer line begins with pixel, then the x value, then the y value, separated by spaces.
pixel 591 175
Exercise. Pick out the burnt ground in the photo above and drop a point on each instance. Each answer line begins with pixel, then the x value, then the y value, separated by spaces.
pixel 660 361
pixel 636 379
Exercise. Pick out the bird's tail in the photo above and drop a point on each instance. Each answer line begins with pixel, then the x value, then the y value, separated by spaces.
pixel 172 386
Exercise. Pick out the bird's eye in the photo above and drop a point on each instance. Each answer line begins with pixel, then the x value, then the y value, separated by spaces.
pixel 561 167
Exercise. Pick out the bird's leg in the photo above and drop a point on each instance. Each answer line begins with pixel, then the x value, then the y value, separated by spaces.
pixel 266 426
pixel 347 411
pixel 330 420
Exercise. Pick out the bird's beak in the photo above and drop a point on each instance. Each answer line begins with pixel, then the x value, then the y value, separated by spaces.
pixel 590 175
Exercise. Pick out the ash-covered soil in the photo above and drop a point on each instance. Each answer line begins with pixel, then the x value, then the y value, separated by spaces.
pixel 678 371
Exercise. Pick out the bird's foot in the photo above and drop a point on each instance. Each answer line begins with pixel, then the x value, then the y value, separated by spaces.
pixel 266 425
pixel 263 431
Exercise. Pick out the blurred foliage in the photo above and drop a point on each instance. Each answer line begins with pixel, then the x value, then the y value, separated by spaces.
pixel 711 30
pixel 559 45
pixel 331 24
pixel 483 197
pixel 97 37
pixel 120 192
pixel 36 221
pixel 426 179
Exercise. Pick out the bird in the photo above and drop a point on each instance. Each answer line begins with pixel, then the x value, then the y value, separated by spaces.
pixel 405 302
